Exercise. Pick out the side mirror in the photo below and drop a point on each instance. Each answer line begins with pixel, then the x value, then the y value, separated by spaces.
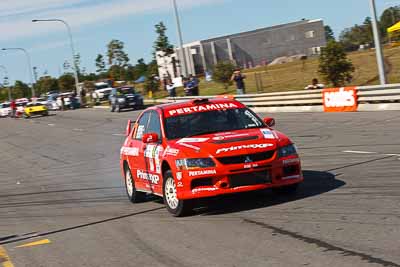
pixel 270 122
pixel 128 128
pixel 150 138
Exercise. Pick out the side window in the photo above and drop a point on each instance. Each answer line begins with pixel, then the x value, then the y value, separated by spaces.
pixel 142 125
pixel 154 124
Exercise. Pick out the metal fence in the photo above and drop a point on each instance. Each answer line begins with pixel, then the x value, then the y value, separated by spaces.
pixel 370 98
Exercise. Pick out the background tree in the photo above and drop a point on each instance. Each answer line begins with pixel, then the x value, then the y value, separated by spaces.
pixel 152 82
pixel 329 35
pixel 20 90
pixel 116 54
pixel 162 42
pixel 388 18
pixel 352 38
pixel 46 84
pixel 223 72
pixel 66 83
pixel 100 64
pixel 334 66
pixel 140 69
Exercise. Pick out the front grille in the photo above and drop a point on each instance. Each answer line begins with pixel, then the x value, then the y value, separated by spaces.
pixel 252 178
pixel 247 158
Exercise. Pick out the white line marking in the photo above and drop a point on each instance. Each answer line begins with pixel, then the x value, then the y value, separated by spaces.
pixel 118 134
pixel 358 152
pixel 51 124
pixel 394 155
pixel 78 130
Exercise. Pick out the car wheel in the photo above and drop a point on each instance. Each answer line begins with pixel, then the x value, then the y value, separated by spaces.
pixel 26 116
pixel 46 113
pixel 117 108
pixel 288 189
pixel 112 108
pixel 133 195
pixel 175 206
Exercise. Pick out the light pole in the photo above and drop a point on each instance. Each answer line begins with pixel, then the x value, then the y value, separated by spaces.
pixel 72 49
pixel 178 26
pixel 6 79
pixel 378 47
pixel 28 58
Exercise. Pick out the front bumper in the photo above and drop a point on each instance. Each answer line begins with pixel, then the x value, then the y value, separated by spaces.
pixel 237 178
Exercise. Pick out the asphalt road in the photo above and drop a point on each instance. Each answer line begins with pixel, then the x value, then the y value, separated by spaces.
pixel 60 182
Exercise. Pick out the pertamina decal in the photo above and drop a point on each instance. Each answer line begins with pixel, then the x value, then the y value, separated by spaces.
pixel 202 108
pixel 340 99
pixel 203 172
pixel 234 148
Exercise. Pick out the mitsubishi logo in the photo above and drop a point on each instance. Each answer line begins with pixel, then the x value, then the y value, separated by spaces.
pixel 248 160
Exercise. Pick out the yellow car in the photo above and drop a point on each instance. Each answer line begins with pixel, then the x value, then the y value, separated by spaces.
pixel 33 109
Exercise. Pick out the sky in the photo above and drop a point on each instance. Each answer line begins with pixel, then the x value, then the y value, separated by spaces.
pixel 94 23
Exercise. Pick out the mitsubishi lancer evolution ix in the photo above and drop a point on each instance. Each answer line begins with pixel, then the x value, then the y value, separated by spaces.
pixel 203 148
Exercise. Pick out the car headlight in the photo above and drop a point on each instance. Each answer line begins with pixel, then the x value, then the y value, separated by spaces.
pixel 194 163
pixel 287 151
pixel 121 99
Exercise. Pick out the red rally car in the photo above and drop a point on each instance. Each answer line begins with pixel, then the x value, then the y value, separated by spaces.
pixel 203 148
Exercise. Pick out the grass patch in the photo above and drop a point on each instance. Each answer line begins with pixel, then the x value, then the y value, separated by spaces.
pixel 297 75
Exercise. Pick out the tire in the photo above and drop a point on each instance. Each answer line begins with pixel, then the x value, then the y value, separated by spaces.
pixel 117 108
pixel 25 116
pixel 133 195
pixel 176 207
pixel 46 113
pixel 289 189
pixel 112 108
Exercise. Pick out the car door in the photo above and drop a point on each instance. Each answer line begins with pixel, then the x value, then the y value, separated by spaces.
pixel 153 153
pixel 136 159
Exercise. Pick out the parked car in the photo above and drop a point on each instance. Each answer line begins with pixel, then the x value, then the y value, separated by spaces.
pixel 5 109
pixel 35 109
pixel 125 97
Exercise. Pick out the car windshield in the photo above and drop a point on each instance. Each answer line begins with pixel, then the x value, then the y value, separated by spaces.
pixel 211 122
pixel 126 91
pixel 5 105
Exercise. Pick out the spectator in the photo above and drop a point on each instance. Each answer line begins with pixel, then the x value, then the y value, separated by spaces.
pixel 315 85
pixel 195 81
pixel 62 103
pixel 13 107
pixel 171 88
pixel 238 78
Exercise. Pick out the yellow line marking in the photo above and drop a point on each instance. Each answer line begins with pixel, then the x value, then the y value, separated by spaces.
pixel 4 258
pixel 36 243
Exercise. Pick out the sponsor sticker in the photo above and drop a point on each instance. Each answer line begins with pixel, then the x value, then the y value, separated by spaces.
pixel 202 172
pixel 193 140
pixel 340 99
pixel 179 184
pixel 153 178
pixel 235 148
pixel 267 133
pixel 171 151
pixel 179 176
pixel 130 151
pixel 201 108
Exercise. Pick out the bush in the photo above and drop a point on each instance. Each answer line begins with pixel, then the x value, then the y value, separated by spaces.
pixel 223 72
pixel 334 66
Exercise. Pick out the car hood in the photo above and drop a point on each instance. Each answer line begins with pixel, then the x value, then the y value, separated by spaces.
pixel 225 144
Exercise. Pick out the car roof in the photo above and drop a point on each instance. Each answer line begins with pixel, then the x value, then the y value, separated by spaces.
pixel 214 103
